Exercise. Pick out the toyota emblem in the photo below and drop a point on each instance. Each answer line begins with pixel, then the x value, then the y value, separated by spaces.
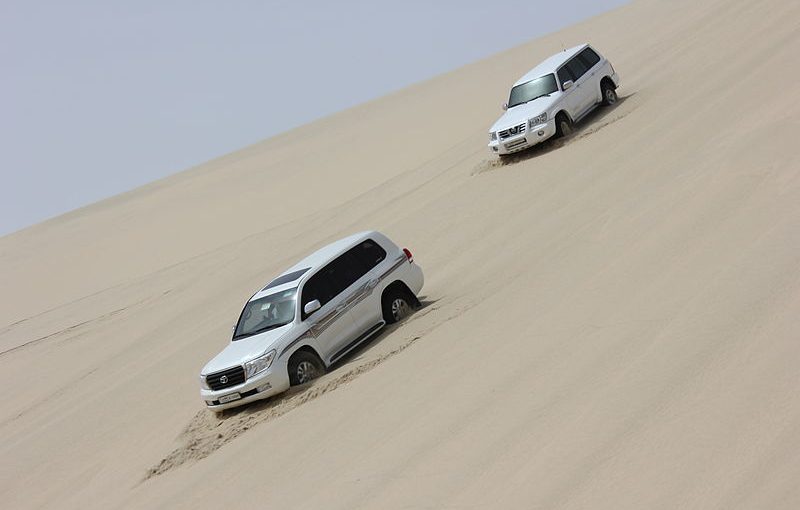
pixel 223 379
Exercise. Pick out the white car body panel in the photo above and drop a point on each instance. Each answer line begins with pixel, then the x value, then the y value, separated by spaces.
pixel 339 326
pixel 246 348
pixel 512 132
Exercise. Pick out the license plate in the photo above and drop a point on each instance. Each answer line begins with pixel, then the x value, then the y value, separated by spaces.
pixel 229 398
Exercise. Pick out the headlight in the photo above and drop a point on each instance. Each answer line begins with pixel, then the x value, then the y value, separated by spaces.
pixel 259 364
pixel 492 136
pixel 541 119
pixel 203 383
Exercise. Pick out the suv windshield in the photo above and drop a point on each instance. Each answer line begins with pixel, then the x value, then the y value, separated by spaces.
pixel 265 313
pixel 530 90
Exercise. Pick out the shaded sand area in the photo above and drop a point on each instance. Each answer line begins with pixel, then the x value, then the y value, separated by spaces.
pixel 609 321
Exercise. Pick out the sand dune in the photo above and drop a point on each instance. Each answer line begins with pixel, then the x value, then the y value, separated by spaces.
pixel 609 321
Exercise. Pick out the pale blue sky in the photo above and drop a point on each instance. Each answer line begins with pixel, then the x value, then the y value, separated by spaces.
pixel 100 97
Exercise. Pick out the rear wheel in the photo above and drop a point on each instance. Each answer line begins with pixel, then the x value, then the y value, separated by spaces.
pixel 304 367
pixel 563 125
pixel 396 306
pixel 609 94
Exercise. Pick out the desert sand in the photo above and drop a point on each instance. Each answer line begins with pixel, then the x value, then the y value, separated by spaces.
pixel 610 321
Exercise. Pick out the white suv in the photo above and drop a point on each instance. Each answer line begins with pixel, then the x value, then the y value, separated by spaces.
pixel 551 97
pixel 310 316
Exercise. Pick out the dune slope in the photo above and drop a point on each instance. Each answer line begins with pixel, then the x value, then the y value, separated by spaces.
pixel 609 321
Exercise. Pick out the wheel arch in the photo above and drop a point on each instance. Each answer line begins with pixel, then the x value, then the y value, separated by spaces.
pixel 565 113
pixel 607 79
pixel 401 286
pixel 304 348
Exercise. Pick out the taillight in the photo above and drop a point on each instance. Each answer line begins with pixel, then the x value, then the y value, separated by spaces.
pixel 409 255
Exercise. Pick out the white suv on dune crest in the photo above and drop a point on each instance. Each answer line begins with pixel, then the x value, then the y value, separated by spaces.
pixel 310 317
pixel 551 97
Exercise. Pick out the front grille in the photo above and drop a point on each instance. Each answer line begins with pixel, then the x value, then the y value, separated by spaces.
pixel 232 376
pixel 516 130
pixel 516 144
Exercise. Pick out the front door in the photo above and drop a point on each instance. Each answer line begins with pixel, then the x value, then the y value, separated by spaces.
pixel 572 100
pixel 332 325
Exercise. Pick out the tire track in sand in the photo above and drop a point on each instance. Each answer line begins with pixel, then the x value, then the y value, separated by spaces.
pixel 207 433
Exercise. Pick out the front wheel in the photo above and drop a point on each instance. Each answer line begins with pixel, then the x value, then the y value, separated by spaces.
pixel 563 126
pixel 304 367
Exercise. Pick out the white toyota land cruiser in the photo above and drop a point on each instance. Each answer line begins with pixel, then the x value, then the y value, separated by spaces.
pixel 551 97
pixel 310 316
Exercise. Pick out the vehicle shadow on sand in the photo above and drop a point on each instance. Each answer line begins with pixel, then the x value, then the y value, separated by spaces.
pixel 374 341
pixel 596 120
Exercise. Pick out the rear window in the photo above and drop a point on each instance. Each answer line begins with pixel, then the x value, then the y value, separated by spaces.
pixel 590 57
pixel 577 67
pixel 369 253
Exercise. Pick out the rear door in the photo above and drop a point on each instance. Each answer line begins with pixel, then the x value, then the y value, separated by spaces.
pixel 366 309
pixel 591 60
pixel 584 97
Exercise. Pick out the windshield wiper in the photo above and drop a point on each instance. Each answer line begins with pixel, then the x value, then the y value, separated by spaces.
pixel 529 100
pixel 260 330
pixel 537 97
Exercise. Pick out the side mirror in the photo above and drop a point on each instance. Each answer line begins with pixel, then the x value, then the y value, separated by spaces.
pixel 311 307
pixel 567 84
pixel 505 106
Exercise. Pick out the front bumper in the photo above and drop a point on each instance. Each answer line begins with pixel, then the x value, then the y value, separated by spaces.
pixel 270 382
pixel 532 136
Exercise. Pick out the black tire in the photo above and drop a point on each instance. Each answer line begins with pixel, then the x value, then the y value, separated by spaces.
pixel 397 305
pixel 563 125
pixel 609 93
pixel 304 367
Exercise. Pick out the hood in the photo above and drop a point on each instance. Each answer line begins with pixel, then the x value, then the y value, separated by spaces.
pixel 521 113
pixel 240 351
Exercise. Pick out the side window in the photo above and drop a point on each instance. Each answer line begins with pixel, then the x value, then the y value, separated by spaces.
pixel 577 67
pixel 317 287
pixel 347 269
pixel 564 75
pixel 589 57
pixel 341 273
pixel 370 254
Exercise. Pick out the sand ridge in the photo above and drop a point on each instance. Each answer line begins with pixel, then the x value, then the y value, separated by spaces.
pixel 610 320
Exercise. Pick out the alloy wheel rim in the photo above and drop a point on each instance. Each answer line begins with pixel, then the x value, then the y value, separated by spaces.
pixel 611 97
pixel 399 308
pixel 306 371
